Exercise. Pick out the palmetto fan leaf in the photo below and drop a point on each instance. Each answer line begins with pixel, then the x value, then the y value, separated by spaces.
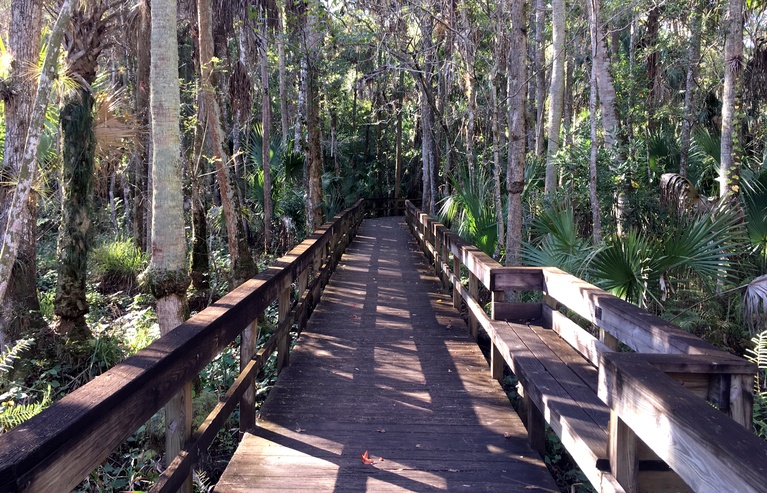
pixel 627 267
pixel 755 306
pixel 471 210
pixel 559 244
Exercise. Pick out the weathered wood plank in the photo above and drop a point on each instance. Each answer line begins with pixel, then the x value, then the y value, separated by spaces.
pixel 393 371
pixel 710 451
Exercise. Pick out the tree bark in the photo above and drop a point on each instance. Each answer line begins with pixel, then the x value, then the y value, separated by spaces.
pixel 266 130
pixel 166 275
pixel 79 142
pixel 729 170
pixel 690 86
pixel 605 86
pixel 243 266
pixel 427 117
pixel 314 165
pixel 284 116
pixel 139 162
pixel 596 222
pixel 17 212
pixel 497 74
pixel 557 93
pixel 517 77
pixel 540 76
pixel 20 308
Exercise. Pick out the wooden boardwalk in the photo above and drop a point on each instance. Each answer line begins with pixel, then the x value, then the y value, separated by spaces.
pixel 386 366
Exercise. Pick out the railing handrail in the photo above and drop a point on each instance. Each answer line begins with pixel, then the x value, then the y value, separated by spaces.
pixel 662 348
pixel 62 445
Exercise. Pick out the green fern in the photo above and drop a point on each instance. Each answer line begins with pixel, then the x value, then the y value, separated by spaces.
pixel 9 356
pixel 758 355
pixel 13 414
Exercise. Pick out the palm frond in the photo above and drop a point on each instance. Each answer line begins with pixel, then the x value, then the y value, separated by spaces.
pixel 755 305
pixel 625 267
pixel 677 193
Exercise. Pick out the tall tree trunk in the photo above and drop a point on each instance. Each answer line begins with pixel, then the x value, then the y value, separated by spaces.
pixel 517 77
pixel 243 266
pixel 284 117
pixel 469 54
pixel 652 69
pixel 266 130
pixel 139 161
pixel 608 105
pixel 166 274
pixel 690 86
pixel 315 200
pixel 596 222
pixel 427 116
pixel 540 76
pixel 605 86
pixel 398 138
pixel 729 170
pixel 17 218
pixel 497 76
pixel 20 308
pixel 70 305
pixel 557 91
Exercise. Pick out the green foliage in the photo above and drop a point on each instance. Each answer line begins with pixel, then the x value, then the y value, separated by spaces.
pixel 758 355
pixel 470 210
pixel 117 265
pixel 643 267
pixel 18 403
pixel 557 242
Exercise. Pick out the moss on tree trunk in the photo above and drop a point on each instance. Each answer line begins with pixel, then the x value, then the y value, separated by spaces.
pixel 70 305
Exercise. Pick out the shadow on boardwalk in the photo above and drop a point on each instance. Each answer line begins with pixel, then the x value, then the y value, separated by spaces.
pixel 386 366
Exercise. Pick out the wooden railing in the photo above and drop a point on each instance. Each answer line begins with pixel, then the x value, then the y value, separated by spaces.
pixel 654 422
pixel 56 450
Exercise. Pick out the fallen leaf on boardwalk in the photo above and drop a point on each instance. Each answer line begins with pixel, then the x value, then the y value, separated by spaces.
pixel 381 459
pixel 355 316
pixel 366 459
pixel 507 435
pixel 381 431
pixel 299 429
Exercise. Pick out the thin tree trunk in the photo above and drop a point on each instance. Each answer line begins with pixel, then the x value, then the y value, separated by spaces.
pixel 690 87
pixel 469 53
pixel 398 139
pixel 596 222
pixel 139 162
pixel 517 77
pixel 18 211
pixel 607 97
pixel 284 117
pixel 20 308
pixel 497 76
pixel 315 215
pixel 243 266
pixel 729 171
pixel 166 275
pixel 557 90
pixel 266 130
pixel 540 76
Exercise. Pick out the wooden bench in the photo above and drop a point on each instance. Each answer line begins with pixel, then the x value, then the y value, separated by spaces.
pixel 566 382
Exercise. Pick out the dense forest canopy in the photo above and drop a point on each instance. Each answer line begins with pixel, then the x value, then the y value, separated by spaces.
pixel 147 170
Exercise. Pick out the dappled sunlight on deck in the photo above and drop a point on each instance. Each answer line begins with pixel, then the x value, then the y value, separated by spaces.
pixel 386 365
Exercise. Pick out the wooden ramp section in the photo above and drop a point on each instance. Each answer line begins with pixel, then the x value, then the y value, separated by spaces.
pixel 386 366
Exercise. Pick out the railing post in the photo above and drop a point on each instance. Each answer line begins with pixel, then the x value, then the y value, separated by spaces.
pixel 622 449
pixel 248 344
pixel 303 282
pixel 474 292
pixel 283 348
pixel 437 251
pixel 496 359
pixel 457 273
pixel 742 399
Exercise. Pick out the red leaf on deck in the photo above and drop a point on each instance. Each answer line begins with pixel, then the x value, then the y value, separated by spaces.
pixel 366 459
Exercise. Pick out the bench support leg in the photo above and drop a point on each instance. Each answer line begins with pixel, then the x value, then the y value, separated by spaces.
pixel 622 447
pixel 536 428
